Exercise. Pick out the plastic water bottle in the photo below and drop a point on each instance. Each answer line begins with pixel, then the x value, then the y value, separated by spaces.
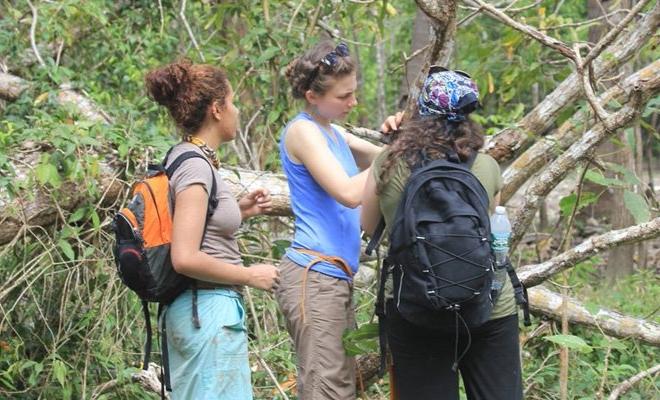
pixel 500 228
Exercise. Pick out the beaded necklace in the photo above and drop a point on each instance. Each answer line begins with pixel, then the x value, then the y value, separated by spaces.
pixel 208 152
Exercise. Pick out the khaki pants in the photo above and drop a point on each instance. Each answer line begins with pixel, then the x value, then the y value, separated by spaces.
pixel 324 370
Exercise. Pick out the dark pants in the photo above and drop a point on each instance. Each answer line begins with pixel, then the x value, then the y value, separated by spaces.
pixel 423 360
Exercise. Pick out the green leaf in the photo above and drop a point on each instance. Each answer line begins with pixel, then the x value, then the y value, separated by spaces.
pixel 570 341
pixel 628 175
pixel 598 178
pixel 637 206
pixel 77 216
pixel 567 203
pixel 362 340
pixel 47 175
pixel 59 371
pixel 96 222
pixel 67 249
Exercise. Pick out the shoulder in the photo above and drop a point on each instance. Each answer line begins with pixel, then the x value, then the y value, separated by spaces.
pixel 196 170
pixel 398 173
pixel 303 131
pixel 487 170
pixel 486 160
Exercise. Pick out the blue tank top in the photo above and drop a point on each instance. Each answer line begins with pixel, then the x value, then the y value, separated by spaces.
pixel 322 224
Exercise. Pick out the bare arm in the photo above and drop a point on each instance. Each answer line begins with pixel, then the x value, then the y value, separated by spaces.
pixel 189 260
pixel 370 214
pixel 307 145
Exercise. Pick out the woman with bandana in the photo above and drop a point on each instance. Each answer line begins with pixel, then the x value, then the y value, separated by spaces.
pixel 326 168
pixel 423 359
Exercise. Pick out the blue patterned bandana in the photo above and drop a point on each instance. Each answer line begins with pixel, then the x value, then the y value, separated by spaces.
pixel 448 93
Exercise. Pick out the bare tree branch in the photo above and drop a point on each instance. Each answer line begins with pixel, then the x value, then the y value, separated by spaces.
pixel 535 274
pixel 612 34
pixel 629 383
pixel 507 143
pixel 558 169
pixel 550 146
pixel 541 37
pixel 442 14
pixel 33 28
pixel 182 14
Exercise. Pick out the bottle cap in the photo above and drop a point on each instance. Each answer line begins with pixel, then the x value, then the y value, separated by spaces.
pixel 500 210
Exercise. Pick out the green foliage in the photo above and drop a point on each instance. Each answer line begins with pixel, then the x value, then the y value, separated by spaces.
pixel 67 324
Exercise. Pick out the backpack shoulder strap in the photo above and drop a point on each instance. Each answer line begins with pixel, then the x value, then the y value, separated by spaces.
pixel 375 238
pixel 213 201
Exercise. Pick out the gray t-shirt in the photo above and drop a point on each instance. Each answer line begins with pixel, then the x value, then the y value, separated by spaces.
pixel 220 239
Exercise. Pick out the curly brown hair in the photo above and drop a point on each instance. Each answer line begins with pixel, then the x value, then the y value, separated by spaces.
pixel 432 138
pixel 187 90
pixel 308 73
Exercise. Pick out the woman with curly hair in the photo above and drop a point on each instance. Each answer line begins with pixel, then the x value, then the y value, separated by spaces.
pixel 322 163
pixel 209 359
pixel 424 359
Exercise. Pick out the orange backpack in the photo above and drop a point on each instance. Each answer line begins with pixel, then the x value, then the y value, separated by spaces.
pixel 143 232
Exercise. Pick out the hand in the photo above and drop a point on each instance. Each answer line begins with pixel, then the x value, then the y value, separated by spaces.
pixel 392 123
pixel 263 276
pixel 256 202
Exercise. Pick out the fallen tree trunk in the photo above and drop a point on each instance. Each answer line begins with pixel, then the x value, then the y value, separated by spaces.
pixel 546 302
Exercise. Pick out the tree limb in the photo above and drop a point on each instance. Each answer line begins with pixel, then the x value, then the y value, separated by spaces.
pixel 550 146
pixel 535 274
pixel 549 303
pixel 629 383
pixel 541 37
pixel 558 169
pixel 442 14
pixel 510 141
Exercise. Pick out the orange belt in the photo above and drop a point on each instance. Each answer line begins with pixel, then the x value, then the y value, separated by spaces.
pixel 320 257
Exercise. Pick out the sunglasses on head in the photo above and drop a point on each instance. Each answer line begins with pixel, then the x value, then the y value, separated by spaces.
pixel 439 68
pixel 330 59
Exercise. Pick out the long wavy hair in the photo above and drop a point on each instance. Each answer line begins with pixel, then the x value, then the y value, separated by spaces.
pixel 431 138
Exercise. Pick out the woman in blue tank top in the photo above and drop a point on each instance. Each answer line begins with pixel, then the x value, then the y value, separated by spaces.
pixel 326 168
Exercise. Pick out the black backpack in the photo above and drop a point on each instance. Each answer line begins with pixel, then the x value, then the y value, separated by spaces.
pixel 440 254
pixel 142 249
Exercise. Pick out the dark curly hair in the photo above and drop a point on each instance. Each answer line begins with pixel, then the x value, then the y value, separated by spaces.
pixel 308 73
pixel 187 90
pixel 432 137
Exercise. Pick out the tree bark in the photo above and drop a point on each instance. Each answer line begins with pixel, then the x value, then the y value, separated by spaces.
pixel 511 141
pixel 558 169
pixel 551 146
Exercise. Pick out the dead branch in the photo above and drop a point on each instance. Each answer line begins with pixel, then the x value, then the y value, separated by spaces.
pixel 549 303
pixel 629 383
pixel 541 37
pixel 442 14
pixel 535 274
pixel 612 34
pixel 510 141
pixel 558 169
pixel 550 146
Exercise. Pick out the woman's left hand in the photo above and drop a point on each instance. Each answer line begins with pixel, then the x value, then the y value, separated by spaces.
pixel 391 123
pixel 256 202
